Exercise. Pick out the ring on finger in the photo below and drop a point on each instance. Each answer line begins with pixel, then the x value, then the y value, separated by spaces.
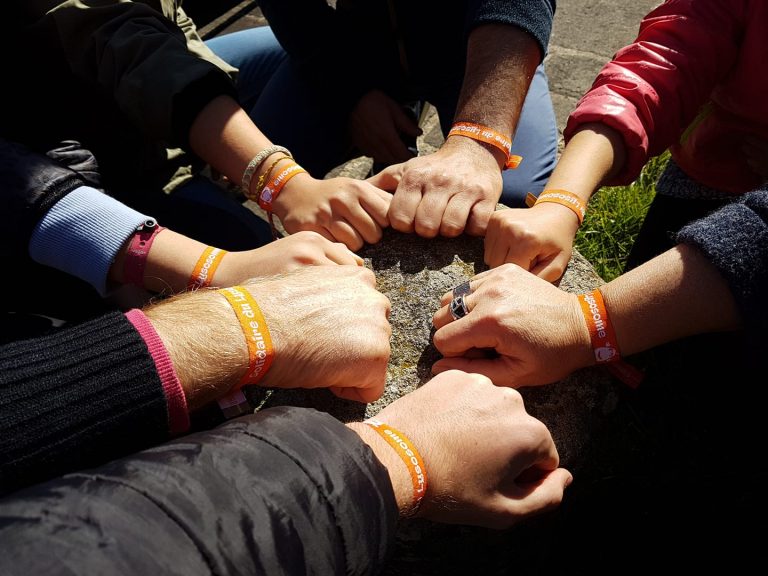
pixel 458 307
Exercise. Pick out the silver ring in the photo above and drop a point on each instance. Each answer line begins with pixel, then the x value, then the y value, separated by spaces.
pixel 458 307
pixel 461 289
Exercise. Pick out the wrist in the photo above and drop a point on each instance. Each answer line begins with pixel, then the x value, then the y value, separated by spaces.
pixel 290 191
pixel 489 155
pixel 398 473
pixel 208 364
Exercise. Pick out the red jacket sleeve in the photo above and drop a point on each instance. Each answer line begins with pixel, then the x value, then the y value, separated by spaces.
pixel 654 88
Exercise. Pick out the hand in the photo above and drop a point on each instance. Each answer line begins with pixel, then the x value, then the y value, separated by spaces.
pixel 488 462
pixel 448 192
pixel 340 209
pixel 376 125
pixel 538 239
pixel 283 255
pixel 330 329
pixel 536 331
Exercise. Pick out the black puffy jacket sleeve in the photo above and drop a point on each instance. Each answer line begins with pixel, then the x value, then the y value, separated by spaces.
pixel 285 491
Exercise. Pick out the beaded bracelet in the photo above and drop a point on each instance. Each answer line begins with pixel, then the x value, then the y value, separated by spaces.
pixel 257 161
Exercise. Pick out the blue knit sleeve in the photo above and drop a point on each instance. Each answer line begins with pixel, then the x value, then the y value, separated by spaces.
pixel 82 233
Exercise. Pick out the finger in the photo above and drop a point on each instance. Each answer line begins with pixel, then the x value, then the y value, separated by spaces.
pixel 364 395
pixel 493 245
pixel 500 370
pixel 480 213
pixel 430 213
pixel 444 316
pixel 388 179
pixel 542 496
pixel 338 253
pixel 455 215
pixel 376 203
pixel 551 270
pixel 363 223
pixel 405 203
pixel 344 232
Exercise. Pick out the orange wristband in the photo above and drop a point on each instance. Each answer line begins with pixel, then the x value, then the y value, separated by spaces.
pixel 406 450
pixel 564 198
pixel 206 266
pixel 603 337
pixel 261 352
pixel 489 136
pixel 270 191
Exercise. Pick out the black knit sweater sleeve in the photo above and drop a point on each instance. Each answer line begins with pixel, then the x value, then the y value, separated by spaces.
pixel 285 491
pixel 735 240
pixel 77 397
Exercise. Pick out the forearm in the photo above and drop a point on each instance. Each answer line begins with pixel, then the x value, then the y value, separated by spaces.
pixel 593 155
pixel 501 61
pixel 204 341
pixel 675 295
pixel 224 136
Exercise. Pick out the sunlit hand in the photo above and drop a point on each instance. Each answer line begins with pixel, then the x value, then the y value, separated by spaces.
pixel 344 210
pixel 451 191
pixel 538 239
pixel 489 463
pixel 535 332
pixel 283 255
pixel 330 328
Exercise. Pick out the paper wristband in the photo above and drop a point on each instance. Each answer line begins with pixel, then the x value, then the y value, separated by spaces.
pixel 603 337
pixel 261 352
pixel 489 136
pixel 206 266
pixel 270 191
pixel 564 198
pixel 407 451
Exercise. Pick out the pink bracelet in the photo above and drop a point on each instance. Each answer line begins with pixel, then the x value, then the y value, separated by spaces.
pixel 136 257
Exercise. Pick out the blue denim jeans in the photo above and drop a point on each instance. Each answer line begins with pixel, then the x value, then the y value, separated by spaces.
pixel 311 124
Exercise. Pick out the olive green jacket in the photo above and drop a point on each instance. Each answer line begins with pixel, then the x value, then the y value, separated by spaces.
pixel 124 78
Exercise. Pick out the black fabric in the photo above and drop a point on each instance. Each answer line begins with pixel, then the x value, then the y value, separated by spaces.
pixel 76 397
pixel 361 37
pixel 664 219
pixel 285 491
pixel 735 240
pixel 30 183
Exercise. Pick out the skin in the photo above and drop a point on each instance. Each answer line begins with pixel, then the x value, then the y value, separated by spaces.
pixel 172 259
pixel 488 462
pixel 329 327
pixel 538 331
pixel 455 189
pixel 340 209
pixel 540 239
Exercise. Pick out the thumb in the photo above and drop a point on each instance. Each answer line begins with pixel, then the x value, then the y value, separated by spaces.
pixel 545 494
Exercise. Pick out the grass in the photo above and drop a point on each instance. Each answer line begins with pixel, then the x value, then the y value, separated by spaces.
pixel 614 218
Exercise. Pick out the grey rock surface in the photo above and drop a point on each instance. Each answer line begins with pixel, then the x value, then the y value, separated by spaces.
pixel 414 273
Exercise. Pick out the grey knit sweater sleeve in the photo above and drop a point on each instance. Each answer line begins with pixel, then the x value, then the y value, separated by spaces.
pixel 735 239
